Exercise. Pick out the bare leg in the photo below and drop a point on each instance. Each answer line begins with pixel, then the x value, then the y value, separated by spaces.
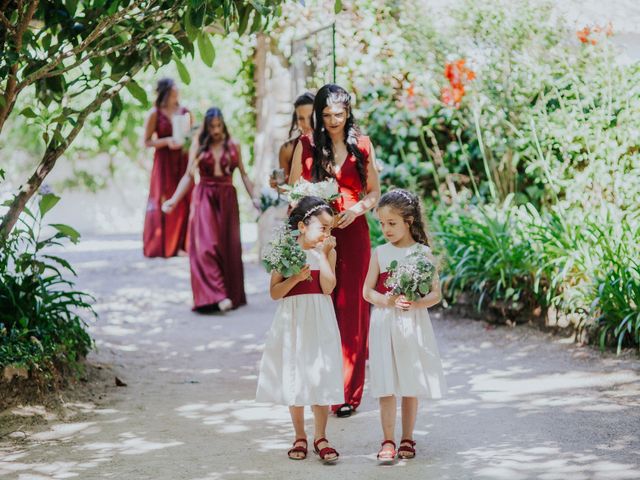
pixel 321 416
pixel 297 418
pixel 409 414
pixel 388 419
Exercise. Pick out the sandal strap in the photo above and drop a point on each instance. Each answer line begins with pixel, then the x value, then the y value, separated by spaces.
pixel 298 449
pixel 390 442
pixel 319 441
pixel 408 440
pixel 301 440
pixel 326 451
pixel 404 448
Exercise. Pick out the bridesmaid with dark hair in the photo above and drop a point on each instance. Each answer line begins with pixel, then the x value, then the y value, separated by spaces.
pixel 164 235
pixel 301 124
pixel 215 251
pixel 339 151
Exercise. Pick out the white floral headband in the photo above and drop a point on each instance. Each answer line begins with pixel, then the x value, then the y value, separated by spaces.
pixel 314 209
pixel 405 195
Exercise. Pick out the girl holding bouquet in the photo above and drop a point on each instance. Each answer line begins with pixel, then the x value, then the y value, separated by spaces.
pixel 302 362
pixel 402 283
pixel 339 152
pixel 165 235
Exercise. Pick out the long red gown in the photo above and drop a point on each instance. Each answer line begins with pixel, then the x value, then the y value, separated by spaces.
pixel 215 251
pixel 165 234
pixel 353 248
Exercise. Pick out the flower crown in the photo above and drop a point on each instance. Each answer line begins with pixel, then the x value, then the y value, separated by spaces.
pixel 405 195
pixel 314 209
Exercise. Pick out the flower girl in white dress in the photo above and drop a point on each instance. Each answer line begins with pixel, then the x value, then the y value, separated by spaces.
pixel 403 355
pixel 302 360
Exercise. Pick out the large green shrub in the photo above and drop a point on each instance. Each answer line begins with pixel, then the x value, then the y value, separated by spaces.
pixel 41 327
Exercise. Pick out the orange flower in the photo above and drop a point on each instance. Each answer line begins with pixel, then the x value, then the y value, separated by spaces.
pixel 457 73
pixel 583 35
pixel 411 90
pixel 452 95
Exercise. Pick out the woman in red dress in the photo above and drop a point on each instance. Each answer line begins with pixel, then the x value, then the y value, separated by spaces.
pixel 301 124
pixel 165 235
pixel 215 251
pixel 339 151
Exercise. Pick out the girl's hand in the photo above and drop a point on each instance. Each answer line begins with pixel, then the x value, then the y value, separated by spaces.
pixel 403 304
pixel 328 244
pixel 168 206
pixel 391 300
pixel 303 275
pixel 346 218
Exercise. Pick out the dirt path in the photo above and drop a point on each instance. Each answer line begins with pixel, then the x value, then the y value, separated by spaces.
pixel 520 405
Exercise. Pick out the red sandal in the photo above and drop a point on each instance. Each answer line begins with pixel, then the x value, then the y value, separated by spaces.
pixel 322 453
pixel 299 448
pixel 386 457
pixel 408 449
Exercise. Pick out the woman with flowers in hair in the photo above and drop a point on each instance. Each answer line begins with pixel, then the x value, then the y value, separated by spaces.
pixel 165 235
pixel 339 151
pixel 215 251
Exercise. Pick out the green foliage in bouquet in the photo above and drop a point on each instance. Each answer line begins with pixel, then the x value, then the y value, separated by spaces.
pixel 412 277
pixel 284 254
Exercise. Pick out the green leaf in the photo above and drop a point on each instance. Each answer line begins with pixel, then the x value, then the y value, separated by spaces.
pixel 28 112
pixel 244 14
pixel 207 52
pixel 192 31
pixel 67 231
pixel 337 7
pixel 182 71
pixel 47 202
pixel 138 93
pixel 116 107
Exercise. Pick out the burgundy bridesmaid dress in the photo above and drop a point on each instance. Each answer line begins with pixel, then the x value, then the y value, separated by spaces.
pixel 165 234
pixel 215 251
pixel 353 248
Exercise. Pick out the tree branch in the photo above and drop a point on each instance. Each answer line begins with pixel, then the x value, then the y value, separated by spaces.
pixel 11 92
pixel 55 150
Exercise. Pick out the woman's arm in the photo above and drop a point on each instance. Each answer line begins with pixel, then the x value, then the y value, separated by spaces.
pixel 248 184
pixel 296 165
pixel 369 291
pixel 185 182
pixel 370 200
pixel 328 266
pixel 280 286
pixel 150 138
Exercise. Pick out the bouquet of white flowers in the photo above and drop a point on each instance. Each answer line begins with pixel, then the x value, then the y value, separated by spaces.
pixel 412 277
pixel 327 190
pixel 268 198
pixel 283 253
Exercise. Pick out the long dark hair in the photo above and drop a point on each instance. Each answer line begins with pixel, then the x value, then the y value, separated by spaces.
pixel 304 99
pixel 323 155
pixel 306 208
pixel 163 89
pixel 407 205
pixel 204 139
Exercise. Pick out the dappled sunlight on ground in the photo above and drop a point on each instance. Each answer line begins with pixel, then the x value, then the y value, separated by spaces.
pixel 520 404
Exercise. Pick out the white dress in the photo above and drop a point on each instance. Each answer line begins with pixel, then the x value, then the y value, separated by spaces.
pixel 302 359
pixel 403 354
